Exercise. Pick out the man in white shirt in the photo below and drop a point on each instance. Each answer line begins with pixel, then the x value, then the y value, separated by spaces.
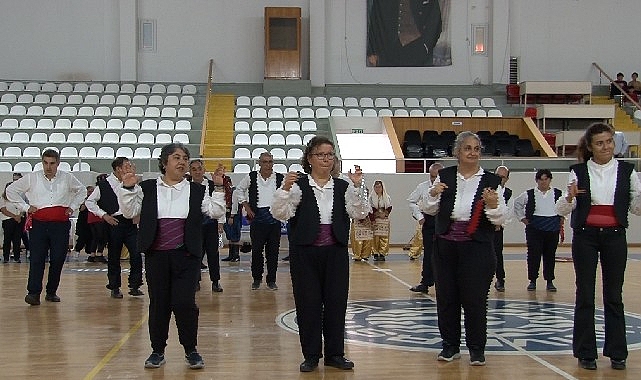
pixel 620 144
pixel 53 196
pixel 256 192
pixel 427 228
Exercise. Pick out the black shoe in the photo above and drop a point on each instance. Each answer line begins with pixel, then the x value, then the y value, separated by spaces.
pixel 115 293
pixel 286 258
pixel 550 287
pixel 235 259
pixel 499 285
pixel 477 358
pixel 255 285
pixel 32 299
pixel 308 365
pixel 101 259
pixel 155 360
pixel 365 258
pixel 532 286
pixel 52 297
pixel 16 260
pixel 413 258
pixel 381 258
pixel 203 266
pixel 194 360
pixel 617 364
pixel 136 292
pixel 587 364
pixel 339 362
pixel 420 288
pixel 376 257
pixel 228 258
pixel 448 354
pixel 91 259
pixel 272 286
pixel 216 288
pixel 357 259
pixel 5 261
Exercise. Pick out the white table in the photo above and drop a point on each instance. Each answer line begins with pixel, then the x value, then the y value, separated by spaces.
pixel 555 88
pixel 574 111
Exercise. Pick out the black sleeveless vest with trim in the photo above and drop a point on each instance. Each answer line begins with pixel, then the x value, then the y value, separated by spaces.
pixel 621 194
pixel 108 201
pixel 253 188
pixel 530 205
pixel 485 229
pixel 149 217
pixel 307 215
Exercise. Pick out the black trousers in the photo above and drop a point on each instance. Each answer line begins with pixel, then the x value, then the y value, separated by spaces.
pixel 610 246
pixel 172 277
pixel 210 248
pixel 427 272
pixel 265 236
pixel 498 253
pixel 464 272
pixel 320 280
pixel 99 236
pixel 50 238
pixel 12 235
pixel 124 233
pixel 541 244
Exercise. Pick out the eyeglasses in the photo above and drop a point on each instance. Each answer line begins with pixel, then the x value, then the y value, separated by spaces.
pixel 322 156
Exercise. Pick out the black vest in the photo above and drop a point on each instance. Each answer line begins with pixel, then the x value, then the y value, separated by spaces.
pixel 307 215
pixel 149 218
pixel 530 206
pixel 485 230
pixel 507 194
pixel 621 194
pixel 253 188
pixel 108 201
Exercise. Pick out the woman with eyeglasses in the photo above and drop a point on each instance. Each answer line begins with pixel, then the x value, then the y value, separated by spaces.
pixel 467 202
pixel 319 207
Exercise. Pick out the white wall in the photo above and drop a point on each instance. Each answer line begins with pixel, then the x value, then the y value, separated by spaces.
pixel 95 40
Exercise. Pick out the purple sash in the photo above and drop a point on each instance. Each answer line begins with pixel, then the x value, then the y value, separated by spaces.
pixel 457 231
pixel 325 236
pixel 170 234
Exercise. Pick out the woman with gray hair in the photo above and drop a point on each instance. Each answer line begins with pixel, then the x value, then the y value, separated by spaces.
pixel 467 202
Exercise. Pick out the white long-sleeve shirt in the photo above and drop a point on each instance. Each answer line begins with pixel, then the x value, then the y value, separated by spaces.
pixel 602 178
pixel 415 199
pixel 285 203
pixel 63 189
pixel 266 189
pixel 173 201
pixel 92 200
pixel 465 192
pixel 544 201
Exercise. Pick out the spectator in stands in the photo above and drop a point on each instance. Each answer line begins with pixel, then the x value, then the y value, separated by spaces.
pixel 621 82
pixel 103 202
pixel 171 215
pixel 211 227
pixel 426 222
pixel 403 32
pixel 255 192
pixel 52 196
pixel 467 202
pixel 504 173
pixel 535 209
pixel 635 85
pixel 319 207
pixel 12 227
pixel 381 204
pixel 601 192
pixel 620 144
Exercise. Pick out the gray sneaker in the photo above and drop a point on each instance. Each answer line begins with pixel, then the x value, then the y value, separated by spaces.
pixel 155 360
pixel 194 360
pixel 255 285
pixel 272 286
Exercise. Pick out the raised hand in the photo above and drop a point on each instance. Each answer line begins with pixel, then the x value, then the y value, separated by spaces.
pixel 357 176
pixel 491 197
pixel 289 180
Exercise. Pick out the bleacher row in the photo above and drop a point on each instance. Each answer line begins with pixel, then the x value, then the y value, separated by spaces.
pixel 432 144
pixel 96 87
pixel 35 117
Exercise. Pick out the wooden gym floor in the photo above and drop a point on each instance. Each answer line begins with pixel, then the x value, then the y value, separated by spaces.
pixel 247 334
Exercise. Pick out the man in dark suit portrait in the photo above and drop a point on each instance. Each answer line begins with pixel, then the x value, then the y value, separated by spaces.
pixel 403 32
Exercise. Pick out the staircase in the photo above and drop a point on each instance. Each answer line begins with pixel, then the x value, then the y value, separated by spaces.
pixel 622 120
pixel 218 131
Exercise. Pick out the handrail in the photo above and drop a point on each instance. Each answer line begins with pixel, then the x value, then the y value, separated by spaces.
pixel 206 113
pixel 623 92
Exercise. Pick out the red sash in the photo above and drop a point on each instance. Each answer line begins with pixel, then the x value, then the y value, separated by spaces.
pixel 51 214
pixel 93 218
pixel 602 216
